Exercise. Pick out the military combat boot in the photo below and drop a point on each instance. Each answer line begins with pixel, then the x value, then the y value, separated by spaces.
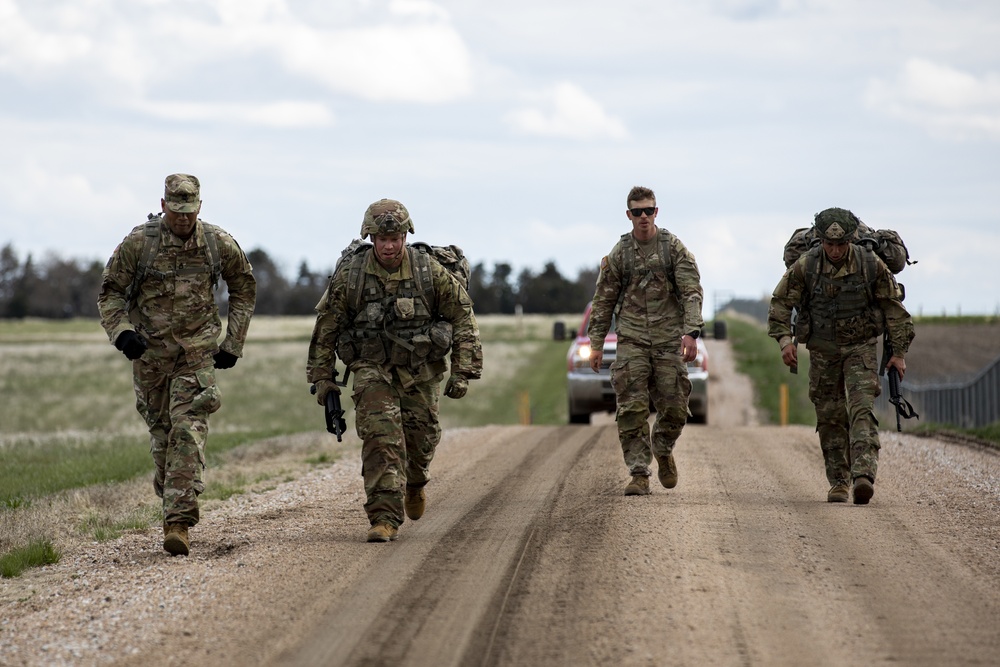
pixel 667 471
pixel 383 531
pixel 414 502
pixel 838 493
pixel 639 486
pixel 175 539
pixel 864 489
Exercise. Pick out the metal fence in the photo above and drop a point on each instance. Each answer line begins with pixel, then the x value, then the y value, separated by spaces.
pixel 971 404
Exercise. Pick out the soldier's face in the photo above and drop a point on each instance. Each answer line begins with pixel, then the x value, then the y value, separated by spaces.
pixel 836 250
pixel 642 213
pixel 181 224
pixel 389 249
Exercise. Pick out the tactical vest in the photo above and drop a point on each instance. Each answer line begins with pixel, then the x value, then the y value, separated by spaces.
pixel 395 328
pixel 151 245
pixel 628 263
pixel 840 311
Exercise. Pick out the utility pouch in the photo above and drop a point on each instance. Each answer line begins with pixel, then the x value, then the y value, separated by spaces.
pixel 346 349
pixel 441 338
pixel 803 327
pixel 372 349
pixel 404 308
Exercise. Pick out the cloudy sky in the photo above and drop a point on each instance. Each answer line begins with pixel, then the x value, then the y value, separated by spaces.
pixel 514 129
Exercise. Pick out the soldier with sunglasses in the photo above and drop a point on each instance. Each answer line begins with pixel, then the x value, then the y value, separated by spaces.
pixel 650 284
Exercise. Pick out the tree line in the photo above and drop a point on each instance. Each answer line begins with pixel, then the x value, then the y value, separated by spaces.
pixel 55 287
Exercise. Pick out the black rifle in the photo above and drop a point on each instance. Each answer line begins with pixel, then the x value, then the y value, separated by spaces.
pixel 903 407
pixel 335 422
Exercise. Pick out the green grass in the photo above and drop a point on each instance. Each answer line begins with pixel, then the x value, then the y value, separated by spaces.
pixel 104 528
pixel 36 554
pixel 758 357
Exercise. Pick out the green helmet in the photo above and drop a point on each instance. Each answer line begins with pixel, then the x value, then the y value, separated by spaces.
pixel 836 224
pixel 386 216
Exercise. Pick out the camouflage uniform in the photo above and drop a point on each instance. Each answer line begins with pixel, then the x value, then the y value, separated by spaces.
pixel 656 310
pixel 396 384
pixel 841 312
pixel 174 311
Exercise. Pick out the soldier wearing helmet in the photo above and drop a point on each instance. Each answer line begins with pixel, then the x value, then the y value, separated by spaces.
pixel 845 297
pixel 391 314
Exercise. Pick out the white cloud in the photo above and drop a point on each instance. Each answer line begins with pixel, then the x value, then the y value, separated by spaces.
pixel 23 47
pixel 944 100
pixel 426 63
pixel 275 114
pixel 567 111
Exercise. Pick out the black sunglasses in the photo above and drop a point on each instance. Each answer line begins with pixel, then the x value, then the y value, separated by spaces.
pixel 636 212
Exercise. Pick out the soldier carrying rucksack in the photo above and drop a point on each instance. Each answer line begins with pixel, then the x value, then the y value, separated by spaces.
pixel 845 296
pixel 392 313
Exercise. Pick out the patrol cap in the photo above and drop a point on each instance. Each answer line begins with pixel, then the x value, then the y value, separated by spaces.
pixel 836 224
pixel 182 193
pixel 386 216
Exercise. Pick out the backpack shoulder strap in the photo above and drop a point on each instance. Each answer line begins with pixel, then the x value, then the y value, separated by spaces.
pixel 355 266
pixel 212 245
pixel 150 244
pixel 668 261
pixel 420 265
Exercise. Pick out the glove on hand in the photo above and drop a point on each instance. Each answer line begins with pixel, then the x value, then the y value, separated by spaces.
pixel 224 359
pixel 456 387
pixel 131 344
pixel 324 387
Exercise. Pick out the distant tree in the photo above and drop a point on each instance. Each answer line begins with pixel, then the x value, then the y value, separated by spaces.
pixel 502 291
pixel 586 280
pixel 549 292
pixel 272 286
pixel 305 293
pixel 10 272
pixel 479 291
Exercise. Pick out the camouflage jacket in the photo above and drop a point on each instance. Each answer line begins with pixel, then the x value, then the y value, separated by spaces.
pixel 884 296
pixel 337 321
pixel 174 307
pixel 661 302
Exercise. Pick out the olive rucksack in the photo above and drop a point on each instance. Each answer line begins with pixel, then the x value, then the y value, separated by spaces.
pixel 450 257
pixel 885 243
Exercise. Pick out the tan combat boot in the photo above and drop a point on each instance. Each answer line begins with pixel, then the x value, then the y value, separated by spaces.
pixel 863 490
pixel 414 502
pixel 175 539
pixel 383 531
pixel 667 471
pixel 838 493
pixel 639 486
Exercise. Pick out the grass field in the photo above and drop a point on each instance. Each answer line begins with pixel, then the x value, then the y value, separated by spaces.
pixel 74 459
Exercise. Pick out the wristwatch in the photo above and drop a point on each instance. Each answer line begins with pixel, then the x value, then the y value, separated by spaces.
pixel 695 333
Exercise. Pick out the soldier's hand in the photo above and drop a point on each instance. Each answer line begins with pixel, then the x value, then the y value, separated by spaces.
pixel 596 359
pixel 224 359
pixel 689 348
pixel 457 386
pixel 899 364
pixel 324 387
pixel 131 344
pixel 790 355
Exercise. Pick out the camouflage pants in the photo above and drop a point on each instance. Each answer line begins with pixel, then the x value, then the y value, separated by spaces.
pixel 642 375
pixel 399 429
pixel 843 385
pixel 176 403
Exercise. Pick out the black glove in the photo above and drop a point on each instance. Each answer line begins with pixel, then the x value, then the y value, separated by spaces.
pixel 131 344
pixel 224 359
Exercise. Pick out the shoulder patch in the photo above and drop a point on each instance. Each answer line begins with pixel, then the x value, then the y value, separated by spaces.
pixel 604 263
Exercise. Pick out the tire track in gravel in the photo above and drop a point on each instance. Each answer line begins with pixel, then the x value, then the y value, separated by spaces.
pixel 439 590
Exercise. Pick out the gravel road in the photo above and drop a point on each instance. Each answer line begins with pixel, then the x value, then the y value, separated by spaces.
pixel 529 555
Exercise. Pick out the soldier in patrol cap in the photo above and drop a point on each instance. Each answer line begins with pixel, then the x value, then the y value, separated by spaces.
pixel 392 313
pixel 650 284
pixel 846 297
pixel 157 305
